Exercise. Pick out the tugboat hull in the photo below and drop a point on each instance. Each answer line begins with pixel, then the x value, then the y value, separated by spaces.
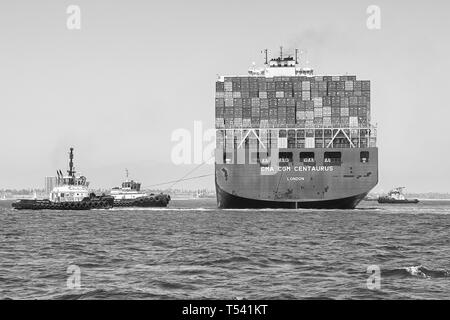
pixel 87 204
pixel 393 201
pixel 144 202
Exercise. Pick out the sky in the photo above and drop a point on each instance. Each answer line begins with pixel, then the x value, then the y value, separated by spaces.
pixel 137 71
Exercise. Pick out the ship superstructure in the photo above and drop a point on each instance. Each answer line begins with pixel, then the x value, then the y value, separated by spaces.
pixel 70 187
pixel 286 138
pixel 129 190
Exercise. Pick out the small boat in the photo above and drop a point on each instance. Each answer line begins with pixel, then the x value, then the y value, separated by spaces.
pixel 396 196
pixel 130 195
pixel 70 193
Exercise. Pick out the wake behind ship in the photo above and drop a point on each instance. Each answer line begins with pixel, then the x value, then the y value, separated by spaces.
pixel 286 138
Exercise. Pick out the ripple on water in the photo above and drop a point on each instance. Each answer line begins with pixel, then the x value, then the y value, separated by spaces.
pixel 196 252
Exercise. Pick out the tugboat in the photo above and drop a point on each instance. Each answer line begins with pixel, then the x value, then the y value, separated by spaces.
pixel 130 195
pixel 70 193
pixel 396 196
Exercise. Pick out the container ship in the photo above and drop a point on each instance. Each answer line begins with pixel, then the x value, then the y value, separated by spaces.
pixel 287 138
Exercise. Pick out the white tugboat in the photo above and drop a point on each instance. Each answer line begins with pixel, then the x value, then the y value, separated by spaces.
pixel 396 196
pixel 130 195
pixel 71 193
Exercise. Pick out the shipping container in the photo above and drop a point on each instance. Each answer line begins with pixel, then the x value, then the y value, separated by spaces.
pixel 301 115
pixel 220 86
pixel 220 123
pixel 279 94
pixel 264 113
pixel 220 112
pixel 220 94
pixel 309 115
pixel 229 102
pixel 326 121
pixel 335 101
pixel 255 102
pixel 348 85
pixel 306 85
pixel 365 85
pixel 264 123
pixel 309 142
pixel 297 95
pixel 326 111
pixel 318 122
pixel 281 102
pixel 345 122
pixel 279 86
pixel 228 86
pixel 282 142
pixel 318 112
pixel 306 95
pixel 220 102
pixel 264 103
pixel 344 112
pixel 246 122
pixel 246 112
pixel 353 122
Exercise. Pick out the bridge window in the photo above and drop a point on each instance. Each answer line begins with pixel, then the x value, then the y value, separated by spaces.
pixel 364 156
pixel 285 158
pixel 332 159
pixel 307 158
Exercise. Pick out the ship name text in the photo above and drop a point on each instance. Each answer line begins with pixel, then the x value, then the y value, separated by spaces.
pixel 297 169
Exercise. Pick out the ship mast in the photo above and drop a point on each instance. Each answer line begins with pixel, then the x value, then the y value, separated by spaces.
pixel 71 171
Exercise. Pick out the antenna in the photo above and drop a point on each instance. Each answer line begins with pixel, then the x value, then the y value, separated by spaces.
pixel 296 56
pixel 281 52
pixel 265 52
pixel 126 172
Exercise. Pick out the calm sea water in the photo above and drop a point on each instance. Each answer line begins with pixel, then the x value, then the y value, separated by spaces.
pixel 193 250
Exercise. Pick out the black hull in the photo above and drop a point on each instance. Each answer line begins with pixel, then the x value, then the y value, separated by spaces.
pixel 390 201
pixel 158 201
pixel 226 200
pixel 88 204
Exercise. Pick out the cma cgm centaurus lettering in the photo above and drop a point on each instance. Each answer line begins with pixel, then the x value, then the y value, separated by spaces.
pixel 287 138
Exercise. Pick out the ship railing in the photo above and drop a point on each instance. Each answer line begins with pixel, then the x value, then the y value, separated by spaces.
pixel 306 137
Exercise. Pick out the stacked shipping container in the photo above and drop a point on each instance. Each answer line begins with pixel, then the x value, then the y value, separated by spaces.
pixel 292 102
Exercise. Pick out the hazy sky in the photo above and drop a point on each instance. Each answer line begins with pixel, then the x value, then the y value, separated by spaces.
pixel 137 70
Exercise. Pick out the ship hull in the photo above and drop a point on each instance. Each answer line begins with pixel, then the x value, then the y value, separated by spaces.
pixel 394 201
pixel 242 186
pixel 160 201
pixel 229 201
pixel 102 202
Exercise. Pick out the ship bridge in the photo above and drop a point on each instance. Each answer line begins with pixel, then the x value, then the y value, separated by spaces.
pixel 282 66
